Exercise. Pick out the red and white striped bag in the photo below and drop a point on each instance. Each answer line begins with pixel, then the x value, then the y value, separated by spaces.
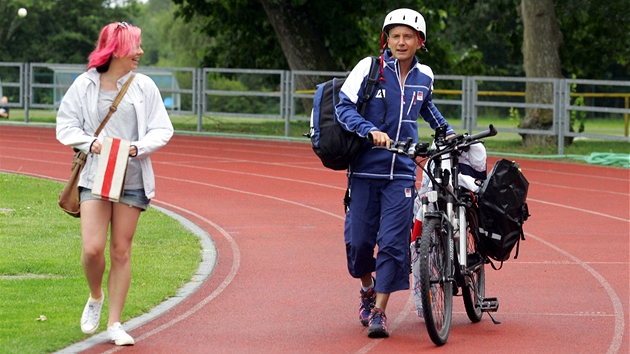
pixel 111 169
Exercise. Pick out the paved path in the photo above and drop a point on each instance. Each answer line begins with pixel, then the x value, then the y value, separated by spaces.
pixel 279 284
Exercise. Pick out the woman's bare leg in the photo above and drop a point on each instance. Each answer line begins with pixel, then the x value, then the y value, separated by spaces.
pixel 95 217
pixel 124 223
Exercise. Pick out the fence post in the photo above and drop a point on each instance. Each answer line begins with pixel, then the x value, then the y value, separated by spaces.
pixel 473 89
pixel 626 104
pixel 285 99
pixel 467 121
pixel 201 98
pixel 290 91
pixel 26 86
pixel 563 103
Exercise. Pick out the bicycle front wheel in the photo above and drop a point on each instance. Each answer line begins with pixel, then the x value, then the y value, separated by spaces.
pixel 436 289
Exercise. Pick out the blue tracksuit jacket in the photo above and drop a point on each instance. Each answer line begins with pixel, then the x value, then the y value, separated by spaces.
pixel 392 111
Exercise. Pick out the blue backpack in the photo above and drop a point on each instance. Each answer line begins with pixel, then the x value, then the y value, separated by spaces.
pixel 335 146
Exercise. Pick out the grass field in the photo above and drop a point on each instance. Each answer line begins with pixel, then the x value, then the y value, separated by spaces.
pixel 42 286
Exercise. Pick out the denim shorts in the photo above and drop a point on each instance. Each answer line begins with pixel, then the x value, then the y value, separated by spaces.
pixel 131 197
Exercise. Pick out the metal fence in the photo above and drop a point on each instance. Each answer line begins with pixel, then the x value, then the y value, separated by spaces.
pixel 273 94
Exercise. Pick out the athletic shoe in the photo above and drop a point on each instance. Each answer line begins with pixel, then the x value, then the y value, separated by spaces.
pixel 368 299
pixel 378 324
pixel 118 336
pixel 91 315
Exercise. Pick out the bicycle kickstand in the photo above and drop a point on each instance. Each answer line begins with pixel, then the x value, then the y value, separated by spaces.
pixel 489 305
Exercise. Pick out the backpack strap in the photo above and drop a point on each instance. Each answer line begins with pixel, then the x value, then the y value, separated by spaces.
pixel 495 267
pixel 371 85
pixel 524 216
pixel 518 243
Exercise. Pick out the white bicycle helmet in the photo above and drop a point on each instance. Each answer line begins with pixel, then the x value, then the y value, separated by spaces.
pixel 406 17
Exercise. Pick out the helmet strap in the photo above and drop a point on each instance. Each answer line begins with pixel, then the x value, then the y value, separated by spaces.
pixel 422 41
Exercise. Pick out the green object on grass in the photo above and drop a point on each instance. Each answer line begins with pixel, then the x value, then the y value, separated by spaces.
pixel 608 159
pixel 595 158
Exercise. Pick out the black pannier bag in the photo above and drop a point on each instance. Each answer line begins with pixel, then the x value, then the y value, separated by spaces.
pixel 502 210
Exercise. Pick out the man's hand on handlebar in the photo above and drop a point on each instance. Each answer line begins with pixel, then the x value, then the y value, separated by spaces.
pixel 378 138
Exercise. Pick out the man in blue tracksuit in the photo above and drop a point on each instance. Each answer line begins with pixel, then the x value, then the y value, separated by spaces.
pixel 382 184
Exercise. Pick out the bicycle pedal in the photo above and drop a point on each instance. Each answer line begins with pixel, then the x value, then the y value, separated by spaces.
pixel 490 304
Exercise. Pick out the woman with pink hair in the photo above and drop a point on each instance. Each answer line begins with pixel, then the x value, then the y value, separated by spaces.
pixel 140 118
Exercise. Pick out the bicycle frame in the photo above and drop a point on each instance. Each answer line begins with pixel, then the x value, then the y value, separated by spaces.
pixel 443 250
pixel 446 190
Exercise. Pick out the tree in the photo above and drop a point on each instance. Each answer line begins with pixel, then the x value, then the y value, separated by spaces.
pixel 169 42
pixel 301 43
pixel 596 38
pixel 62 31
pixel 324 35
pixel 541 59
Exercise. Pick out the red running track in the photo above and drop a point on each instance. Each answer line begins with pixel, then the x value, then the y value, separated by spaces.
pixel 280 283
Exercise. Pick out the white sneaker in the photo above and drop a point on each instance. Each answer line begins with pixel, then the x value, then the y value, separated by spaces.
pixel 91 315
pixel 118 336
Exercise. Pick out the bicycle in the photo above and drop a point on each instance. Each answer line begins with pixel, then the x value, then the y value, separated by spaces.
pixel 448 262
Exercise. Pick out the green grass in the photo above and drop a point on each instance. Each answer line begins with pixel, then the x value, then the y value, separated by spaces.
pixel 504 142
pixel 41 274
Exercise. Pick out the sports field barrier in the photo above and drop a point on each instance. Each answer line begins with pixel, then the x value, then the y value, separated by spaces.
pixel 273 94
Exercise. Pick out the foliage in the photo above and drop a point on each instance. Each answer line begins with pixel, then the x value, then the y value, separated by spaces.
pixel 62 31
pixel 241 35
pixel 238 103
pixel 515 116
pixel 577 117
pixel 167 40
pixel 465 37
pixel 596 38
pixel 495 28
pixel 486 35
pixel 349 29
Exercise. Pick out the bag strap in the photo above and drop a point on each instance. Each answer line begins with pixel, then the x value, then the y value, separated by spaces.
pixel 370 85
pixel 114 106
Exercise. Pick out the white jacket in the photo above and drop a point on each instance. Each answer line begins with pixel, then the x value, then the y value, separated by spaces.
pixel 77 121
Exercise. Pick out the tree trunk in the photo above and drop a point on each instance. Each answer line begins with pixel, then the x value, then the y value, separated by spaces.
pixel 541 59
pixel 301 43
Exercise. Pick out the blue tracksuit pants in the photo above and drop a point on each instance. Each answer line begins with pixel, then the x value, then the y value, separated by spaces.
pixel 380 214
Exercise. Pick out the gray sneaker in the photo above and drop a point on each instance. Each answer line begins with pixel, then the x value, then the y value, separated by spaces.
pixel 118 336
pixel 91 315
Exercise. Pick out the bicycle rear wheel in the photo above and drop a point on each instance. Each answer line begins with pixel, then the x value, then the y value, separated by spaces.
pixel 474 292
pixel 437 293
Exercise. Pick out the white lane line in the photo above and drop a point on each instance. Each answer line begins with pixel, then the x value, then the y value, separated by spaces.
pixel 616 341
pixel 240 173
pixel 578 209
pixel 579 175
pixel 256 195
pixel 580 189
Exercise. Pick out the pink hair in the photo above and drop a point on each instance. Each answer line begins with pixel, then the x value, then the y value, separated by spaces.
pixel 119 39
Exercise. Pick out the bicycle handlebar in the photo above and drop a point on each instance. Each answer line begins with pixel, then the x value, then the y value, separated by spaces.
pixel 422 149
pixel 492 131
